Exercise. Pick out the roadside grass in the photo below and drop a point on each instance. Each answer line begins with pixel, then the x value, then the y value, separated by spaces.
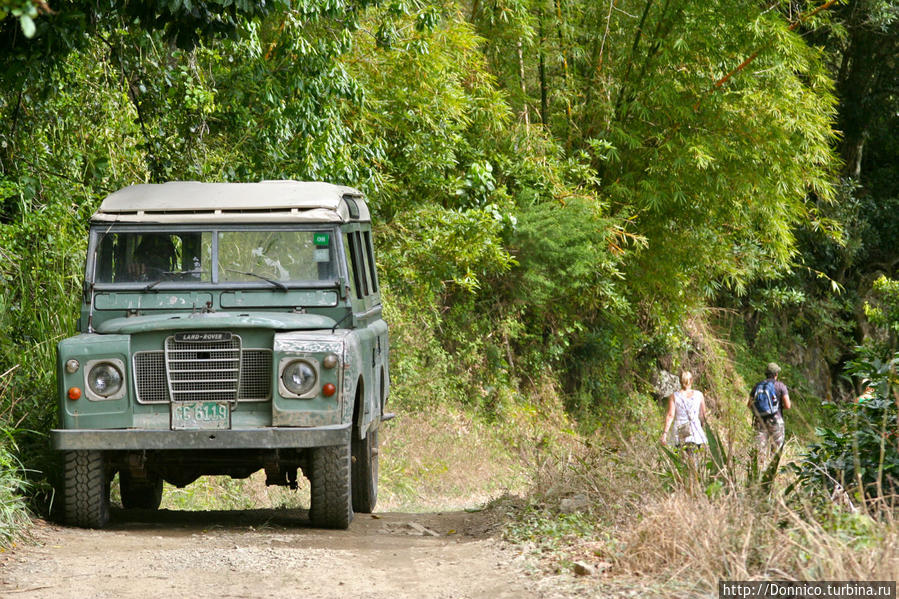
pixel 446 459
pixel 14 515
pixel 646 521
pixel 649 526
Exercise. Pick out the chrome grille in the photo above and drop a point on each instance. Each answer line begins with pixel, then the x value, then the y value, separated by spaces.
pixel 152 385
pixel 203 371
pixel 149 377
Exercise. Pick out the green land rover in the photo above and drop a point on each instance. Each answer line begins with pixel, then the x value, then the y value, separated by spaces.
pixel 225 328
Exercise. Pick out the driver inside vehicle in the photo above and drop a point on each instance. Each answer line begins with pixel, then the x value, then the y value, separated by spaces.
pixel 154 256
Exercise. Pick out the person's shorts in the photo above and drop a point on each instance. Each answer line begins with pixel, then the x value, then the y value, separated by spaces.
pixel 688 448
pixel 769 431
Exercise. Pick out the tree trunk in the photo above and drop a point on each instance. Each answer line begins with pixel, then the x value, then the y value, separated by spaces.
pixel 544 100
pixel 865 54
pixel 524 91
pixel 564 54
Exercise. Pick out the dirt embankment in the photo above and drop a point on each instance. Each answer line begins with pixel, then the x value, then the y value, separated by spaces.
pixel 268 554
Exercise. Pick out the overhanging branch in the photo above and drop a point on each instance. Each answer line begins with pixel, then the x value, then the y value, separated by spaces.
pixel 755 54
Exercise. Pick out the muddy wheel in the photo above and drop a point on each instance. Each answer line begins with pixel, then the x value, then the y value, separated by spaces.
pixel 365 473
pixel 140 493
pixel 330 479
pixel 86 489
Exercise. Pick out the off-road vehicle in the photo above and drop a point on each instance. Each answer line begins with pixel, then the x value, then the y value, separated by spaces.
pixel 225 328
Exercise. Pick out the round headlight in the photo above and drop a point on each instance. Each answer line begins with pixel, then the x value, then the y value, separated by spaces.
pixel 298 377
pixel 105 379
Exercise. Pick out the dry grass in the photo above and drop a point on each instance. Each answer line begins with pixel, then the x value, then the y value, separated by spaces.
pixel 444 459
pixel 690 538
pixel 656 532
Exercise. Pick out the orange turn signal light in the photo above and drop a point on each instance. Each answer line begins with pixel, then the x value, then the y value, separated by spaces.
pixel 329 389
pixel 74 393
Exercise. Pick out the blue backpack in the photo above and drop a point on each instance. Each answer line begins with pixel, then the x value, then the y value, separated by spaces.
pixel 764 398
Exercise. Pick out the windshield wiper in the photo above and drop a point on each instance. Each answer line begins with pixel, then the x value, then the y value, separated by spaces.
pixel 166 274
pixel 277 284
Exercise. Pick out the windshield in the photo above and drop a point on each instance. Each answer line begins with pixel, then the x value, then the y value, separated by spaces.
pixel 215 256
pixel 275 255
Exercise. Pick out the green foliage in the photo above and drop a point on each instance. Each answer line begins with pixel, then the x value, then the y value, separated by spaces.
pixel 50 33
pixel 571 261
pixel 24 11
pixel 13 485
pixel 857 455
pixel 835 274
pixel 418 358
pixel 12 489
pixel 716 176
pixel 435 250
pixel 479 211
pixel 719 182
pixel 41 299
pixel 716 469
pixel 551 530
pixel 208 493
pixel 432 118
pixel 64 150
pixel 885 312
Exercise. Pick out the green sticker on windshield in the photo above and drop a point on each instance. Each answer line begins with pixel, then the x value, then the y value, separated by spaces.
pixel 321 238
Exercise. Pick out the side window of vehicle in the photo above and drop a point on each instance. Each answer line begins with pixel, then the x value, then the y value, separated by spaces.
pixel 370 256
pixel 359 262
pixel 351 263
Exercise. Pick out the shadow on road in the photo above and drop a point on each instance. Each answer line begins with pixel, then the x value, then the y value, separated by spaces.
pixel 122 519
pixel 457 524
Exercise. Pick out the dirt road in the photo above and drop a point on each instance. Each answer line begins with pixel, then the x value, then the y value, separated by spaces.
pixel 267 554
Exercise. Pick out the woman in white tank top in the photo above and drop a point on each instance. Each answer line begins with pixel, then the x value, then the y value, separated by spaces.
pixel 686 410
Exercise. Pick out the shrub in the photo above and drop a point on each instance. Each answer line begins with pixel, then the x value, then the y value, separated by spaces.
pixel 856 455
pixel 13 513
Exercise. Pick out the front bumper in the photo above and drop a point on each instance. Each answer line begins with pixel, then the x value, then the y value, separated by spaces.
pixel 147 439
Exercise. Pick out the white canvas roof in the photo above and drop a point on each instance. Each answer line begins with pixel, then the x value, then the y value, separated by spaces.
pixel 268 201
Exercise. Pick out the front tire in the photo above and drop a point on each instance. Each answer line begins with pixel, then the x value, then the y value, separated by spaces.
pixel 365 473
pixel 331 482
pixel 86 489
pixel 140 494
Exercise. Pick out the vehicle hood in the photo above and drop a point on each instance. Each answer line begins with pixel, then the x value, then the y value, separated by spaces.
pixel 214 320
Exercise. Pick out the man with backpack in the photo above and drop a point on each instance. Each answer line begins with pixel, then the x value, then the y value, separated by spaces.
pixel 768 400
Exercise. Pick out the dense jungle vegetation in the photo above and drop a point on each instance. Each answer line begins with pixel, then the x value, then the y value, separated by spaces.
pixel 571 196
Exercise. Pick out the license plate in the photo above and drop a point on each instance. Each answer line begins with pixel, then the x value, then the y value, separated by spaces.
pixel 200 415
